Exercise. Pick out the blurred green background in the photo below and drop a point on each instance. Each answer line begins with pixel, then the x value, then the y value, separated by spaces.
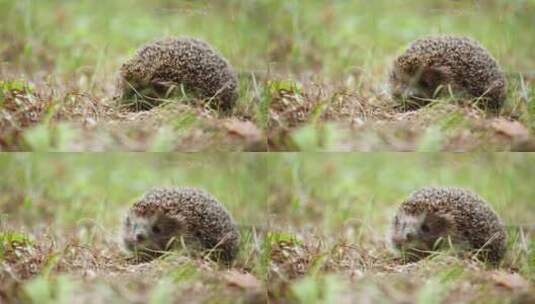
pixel 321 199
pixel 330 191
pixel 62 190
pixel 328 48
pixel 326 190
pixel 334 38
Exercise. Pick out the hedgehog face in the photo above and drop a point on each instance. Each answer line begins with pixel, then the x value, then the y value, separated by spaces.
pixel 410 79
pixel 401 83
pixel 150 235
pixel 415 234
pixel 134 75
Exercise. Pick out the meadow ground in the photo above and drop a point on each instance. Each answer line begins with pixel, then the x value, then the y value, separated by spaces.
pixel 312 75
pixel 313 228
pixel 61 219
pixel 333 212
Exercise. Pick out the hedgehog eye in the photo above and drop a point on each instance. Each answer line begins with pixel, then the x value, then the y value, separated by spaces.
pixel 156 229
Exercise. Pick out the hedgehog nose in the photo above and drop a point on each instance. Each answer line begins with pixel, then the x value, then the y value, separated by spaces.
pixel 140 237
pixel 409 237
pixel 397 241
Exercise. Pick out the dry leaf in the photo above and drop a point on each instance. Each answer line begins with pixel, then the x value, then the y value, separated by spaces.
pixel 242 280
pixel 509 280
pixel 512 129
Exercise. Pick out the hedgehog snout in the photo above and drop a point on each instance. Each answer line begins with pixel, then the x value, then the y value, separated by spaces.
pixel 402 238
pixel 135 236
pixel 128 242
pixel 402 90
pixel 409 236
pixel 140 237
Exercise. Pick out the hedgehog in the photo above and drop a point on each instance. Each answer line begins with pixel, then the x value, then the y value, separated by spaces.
pixel 160 66
pixel 435 216
pixel 441 65
pixel 164 218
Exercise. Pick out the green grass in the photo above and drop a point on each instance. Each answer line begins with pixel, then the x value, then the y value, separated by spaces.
pixel 87 37
pixel 339 50
pixel 380 180
pixel 339 207
pixel 71 207
pixel 84 183
pixel 313 227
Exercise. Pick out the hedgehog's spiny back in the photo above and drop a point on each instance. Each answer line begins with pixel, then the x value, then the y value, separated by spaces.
pixel 172 200
pixel 187 61
pixel 474 218
pixel 204 217
pixel 440 198
pixel 473 68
